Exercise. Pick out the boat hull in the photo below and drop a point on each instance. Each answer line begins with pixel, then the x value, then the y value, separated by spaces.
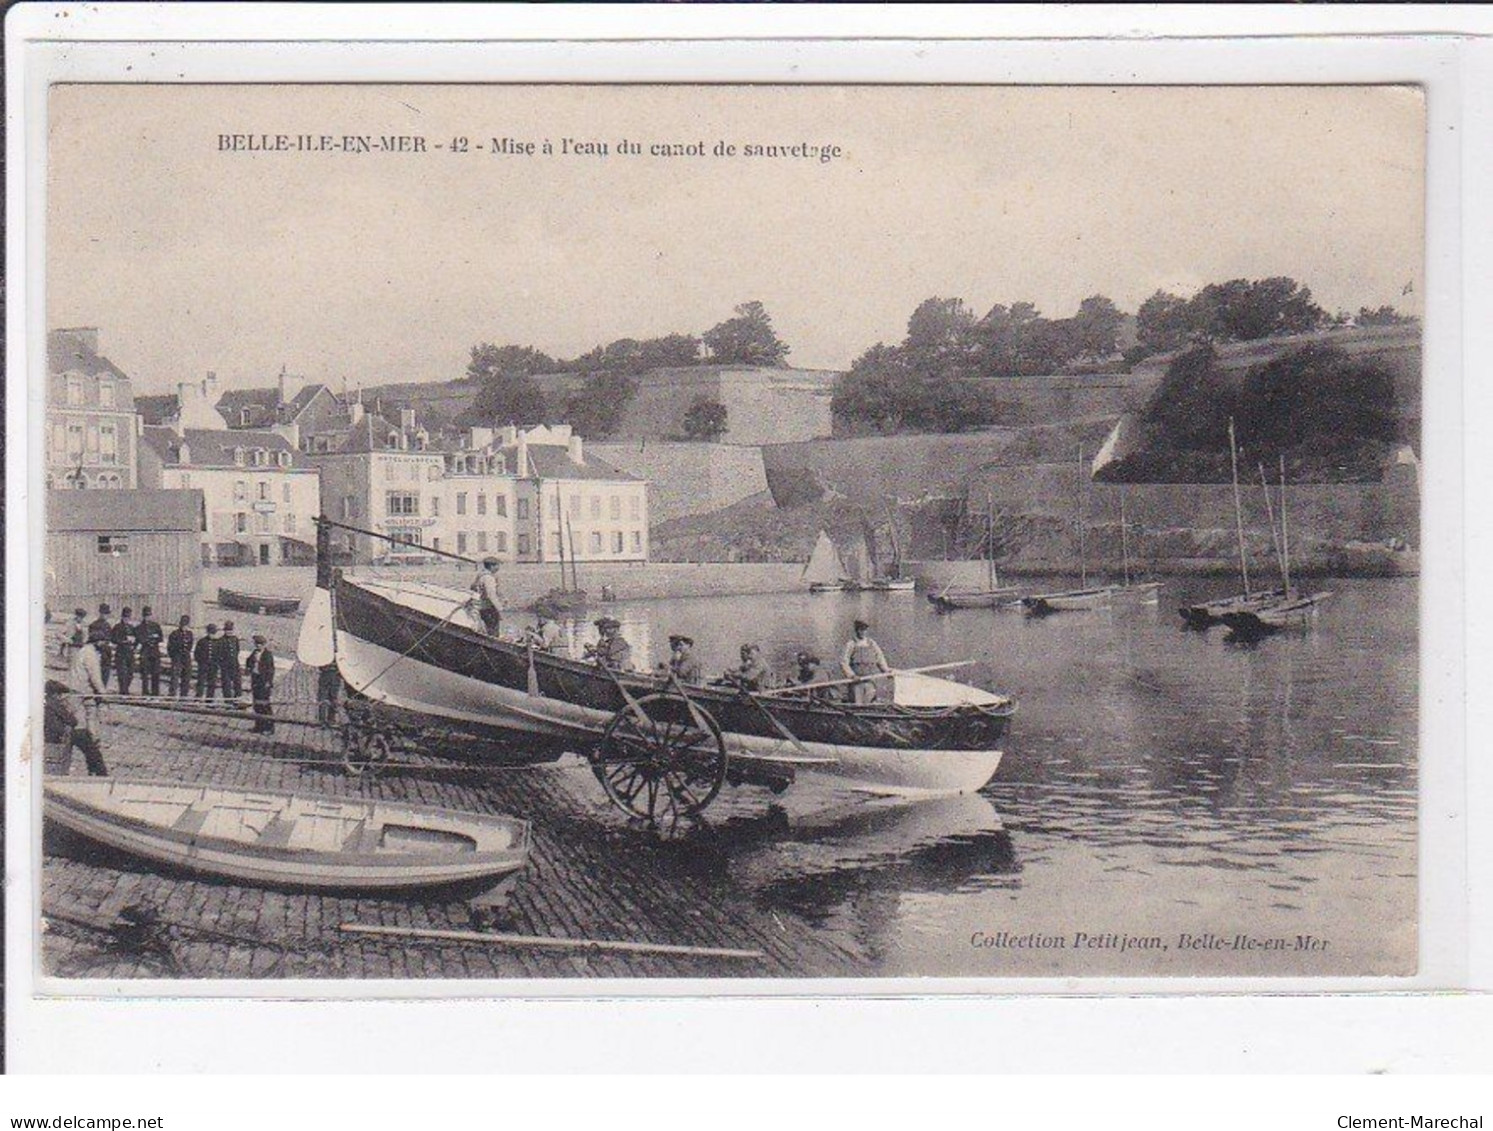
pixel 987 599
pixel 1276 616
pixel 1075 600
pixel 1208 613
pixel 431 848
pixel 258 603
pixel 405 658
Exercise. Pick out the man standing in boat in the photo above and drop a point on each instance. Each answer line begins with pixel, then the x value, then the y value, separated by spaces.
pixel 487 596
pixel 148 637
pixel 262 684
pixel 179 650
pixel 862 656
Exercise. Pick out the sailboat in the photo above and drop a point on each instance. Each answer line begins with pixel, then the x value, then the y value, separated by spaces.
pixel 1208 613
pixel 1084 597
pixel 892 580
pixel 825 572
pixel 1132 593
pixel 1287 609
pixel 993 595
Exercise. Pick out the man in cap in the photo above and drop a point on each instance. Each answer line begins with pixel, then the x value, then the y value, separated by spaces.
pixel 205 656
pixel 101 623
pixel 683 662
pixel 751 674
pixel 544 634
pixel 862 656
pixel 88 678
pixel 179 651
pixel 230 666
pixel 149 635
pixel 122 636
pixel 77 634
pixel 487 595
pixel 62 726
pixel 261 667
pixel 611 650
pixel 808 675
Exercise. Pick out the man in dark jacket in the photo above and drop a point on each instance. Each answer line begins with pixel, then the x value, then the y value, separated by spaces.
pixel 262 684
pixel 230 667
pixel 148 638
pixel 122 636
pixel 102 626
pixel 179 649
pixel 206 657
pixel 60 724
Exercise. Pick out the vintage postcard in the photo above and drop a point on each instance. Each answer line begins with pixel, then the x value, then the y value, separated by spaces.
pixel 561 532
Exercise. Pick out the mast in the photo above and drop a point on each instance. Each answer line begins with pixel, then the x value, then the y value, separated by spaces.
pixel 1238 506
pixel 560 535
pixel 575 573
pixel 1285 538
pixel 1124 538
pixel 991 578
pixel 1083 561
pixel 1280 560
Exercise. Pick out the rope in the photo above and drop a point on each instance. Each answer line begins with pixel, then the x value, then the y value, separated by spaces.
pixel 431 631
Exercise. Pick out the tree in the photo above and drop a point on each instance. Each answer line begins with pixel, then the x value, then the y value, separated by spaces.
pixel 1244 311
pixel 508 392
pixel 1096 327
pixel 1162 323
pixel 671 350
pixel 705 420
pixel 489 361
pixel 747 339
pixel 1382 316
pixel 597 408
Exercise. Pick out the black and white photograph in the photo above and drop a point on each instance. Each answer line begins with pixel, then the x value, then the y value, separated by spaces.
pixel 511 532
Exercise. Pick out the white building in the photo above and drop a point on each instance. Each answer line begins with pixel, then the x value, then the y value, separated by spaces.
pixel 92 428
pixel 260 495
pixel 522 495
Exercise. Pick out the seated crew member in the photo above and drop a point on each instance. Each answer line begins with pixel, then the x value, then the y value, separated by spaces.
pixel 862 656
pixel 808 674
pixel 544 634
pixel 487 596
pixel 683 664
pixel 611 650
pixel 751 674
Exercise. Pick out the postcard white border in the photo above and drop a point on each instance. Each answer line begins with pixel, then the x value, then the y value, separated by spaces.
pixel 1447 68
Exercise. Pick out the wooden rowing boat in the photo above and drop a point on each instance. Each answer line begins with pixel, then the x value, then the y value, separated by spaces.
pixel 1205 614
pixel 258 602
pixel 1273 616
pixel 1070 600
pixel 952 599
pixel 289 841
pixel 889 585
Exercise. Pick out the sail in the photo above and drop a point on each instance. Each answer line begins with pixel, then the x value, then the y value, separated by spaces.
pixel 824 564
pixel 858 560
pixel 315 646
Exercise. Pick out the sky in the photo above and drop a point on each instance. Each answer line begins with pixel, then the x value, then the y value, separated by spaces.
pixel 385 266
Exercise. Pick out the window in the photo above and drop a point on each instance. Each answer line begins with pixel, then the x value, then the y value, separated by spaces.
pixel 500 506
pixel 523 508
pixel 186 480
pixel 573 505
pixel 596 541
pixel 245 417
pixel 404 541
pixel 523 543
pixel 402 502
pixel 616 506
pixel 74 443
pixel 108 447
pixel 264 490
pixel 461 502
pixel 432 475
pixel 595 506
pixel 238 457
pixel 481 541
pixel 637 506
pixel 289 523
pixel 240 491
pixel 74 391
pixel 500 541
pixel 241 523
pixel 461 541
pixel 106 394
pixel 435 505
pixel 349 507
pixel 285 491
pixel 284 459
pixel 113 544
pixel 92 449
pixel 264 523
pixel 616 541
pixel 637 541
pixel 481 502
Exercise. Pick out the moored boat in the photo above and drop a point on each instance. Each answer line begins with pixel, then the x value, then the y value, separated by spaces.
pixel 951 599
pixel 843 585
pixel 1205 614
pixel 1295 611
pixel 263 603
pixel 890 585
pixel 825 572
pixel 1070 600
pixel 290 841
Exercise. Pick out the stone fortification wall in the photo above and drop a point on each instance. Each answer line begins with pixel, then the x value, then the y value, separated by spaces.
pixel 762 405
pixel 688 479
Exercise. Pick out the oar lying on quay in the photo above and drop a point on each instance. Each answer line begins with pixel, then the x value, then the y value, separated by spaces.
pixel 542 942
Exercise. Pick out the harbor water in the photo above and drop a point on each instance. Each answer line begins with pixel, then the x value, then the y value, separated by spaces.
pixel 1171 802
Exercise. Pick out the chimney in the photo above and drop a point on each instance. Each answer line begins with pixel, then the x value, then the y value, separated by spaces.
pixel 210 388
pixel 290 385
pixel 577 453
pixel 185 390
pixel 479 439
pixel 522 468
pixel 407 419
pixel 510 435
pixel 355 412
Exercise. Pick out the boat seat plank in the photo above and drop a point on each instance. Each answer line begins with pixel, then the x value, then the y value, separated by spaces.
pixel 276 834
pixel 192 820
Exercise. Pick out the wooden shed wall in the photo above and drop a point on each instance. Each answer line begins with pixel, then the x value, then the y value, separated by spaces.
pixel 163 570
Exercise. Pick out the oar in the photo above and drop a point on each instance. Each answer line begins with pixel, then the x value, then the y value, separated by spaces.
pixel 797 688
pixel 548 943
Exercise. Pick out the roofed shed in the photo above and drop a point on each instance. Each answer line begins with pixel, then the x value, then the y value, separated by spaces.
pixel 127 548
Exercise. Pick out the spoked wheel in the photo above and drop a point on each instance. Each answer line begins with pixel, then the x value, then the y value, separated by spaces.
pixel 662 762
pixel 363 749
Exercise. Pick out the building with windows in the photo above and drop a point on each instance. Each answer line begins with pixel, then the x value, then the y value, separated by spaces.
pixel 309 415
pixel 92 429
pixel 260 495
pixel 522 495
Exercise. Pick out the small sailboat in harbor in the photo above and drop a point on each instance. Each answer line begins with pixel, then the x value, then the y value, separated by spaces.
pixel 891 580
pixel 825 572
pixel 993 595
pixel 1286 609
pixel 1132 592
pixel 1085 596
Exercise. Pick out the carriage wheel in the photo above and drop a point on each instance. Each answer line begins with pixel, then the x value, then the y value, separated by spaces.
pixel 663 769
